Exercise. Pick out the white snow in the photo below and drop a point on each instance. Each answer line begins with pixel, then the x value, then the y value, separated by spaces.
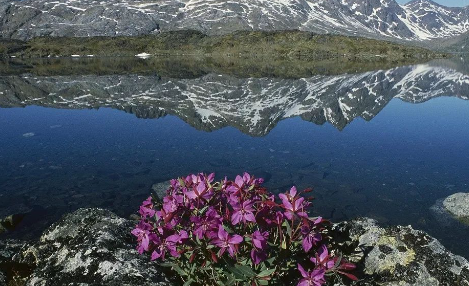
pixel 143 55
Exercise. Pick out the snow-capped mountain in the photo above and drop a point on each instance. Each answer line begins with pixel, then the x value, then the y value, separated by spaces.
pixel 419 20
pixel 253 105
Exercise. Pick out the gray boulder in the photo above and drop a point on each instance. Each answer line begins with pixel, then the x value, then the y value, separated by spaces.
pixel 90 247
pixel 458 206
pixel 398 255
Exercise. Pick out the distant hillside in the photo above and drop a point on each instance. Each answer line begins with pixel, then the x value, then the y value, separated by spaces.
pixel 458 44
pixel 291 44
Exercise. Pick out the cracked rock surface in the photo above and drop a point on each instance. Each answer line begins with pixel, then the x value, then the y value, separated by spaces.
pixel 90 247
pixel 399 255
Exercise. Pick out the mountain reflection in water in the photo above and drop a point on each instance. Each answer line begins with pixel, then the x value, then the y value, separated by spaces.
pixel 252 105
pixel 392 168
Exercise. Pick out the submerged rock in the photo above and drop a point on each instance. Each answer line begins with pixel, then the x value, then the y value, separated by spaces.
pixel 160 188
pixel 398 255
pixel 90 247
pixel 10 222
pixel 458 206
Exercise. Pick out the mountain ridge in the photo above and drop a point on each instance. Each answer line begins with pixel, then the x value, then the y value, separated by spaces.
pixel 415 22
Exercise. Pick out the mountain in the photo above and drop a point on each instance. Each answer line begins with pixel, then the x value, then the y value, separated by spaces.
pixel 252 105
pixel 418 21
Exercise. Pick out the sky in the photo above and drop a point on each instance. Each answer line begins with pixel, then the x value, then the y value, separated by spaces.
pixel 454 3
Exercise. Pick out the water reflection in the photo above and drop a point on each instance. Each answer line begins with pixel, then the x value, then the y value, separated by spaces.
pixel 392 166
pixel 252 105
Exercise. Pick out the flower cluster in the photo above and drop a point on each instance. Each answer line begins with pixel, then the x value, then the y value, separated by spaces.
pixel 236 232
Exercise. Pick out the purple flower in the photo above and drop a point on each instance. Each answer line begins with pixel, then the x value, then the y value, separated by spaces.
pixel 225 241
pixel 257 256
pixel 322 258
pixel 293 205
pixel 246 178
pixel 258 181
pixel 243 212
pixel 239 181
pixel 144 236
pixel 313 278
pixel 169 244
pixel 199 192
pixel 260 239
pixel 210 178
pixel 310 237
pixel 206 225
pixel 171 203
pixel 175 184
pixel 146 209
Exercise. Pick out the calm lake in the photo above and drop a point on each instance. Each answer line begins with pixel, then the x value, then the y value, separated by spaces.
pixel 387 143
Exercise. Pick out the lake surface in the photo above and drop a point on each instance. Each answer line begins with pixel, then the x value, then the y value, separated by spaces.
pixel 386 143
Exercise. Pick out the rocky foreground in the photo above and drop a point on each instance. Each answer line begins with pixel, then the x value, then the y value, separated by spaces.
pixel 94 247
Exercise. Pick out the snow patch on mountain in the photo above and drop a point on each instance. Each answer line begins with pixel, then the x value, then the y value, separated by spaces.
pixel 419 20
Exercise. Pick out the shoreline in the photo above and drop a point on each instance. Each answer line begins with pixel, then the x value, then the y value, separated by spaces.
pixel 305 46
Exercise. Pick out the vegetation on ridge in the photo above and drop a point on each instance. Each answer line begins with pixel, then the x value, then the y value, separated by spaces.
pixel 279 44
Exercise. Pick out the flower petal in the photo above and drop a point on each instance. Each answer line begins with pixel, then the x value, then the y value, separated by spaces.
pixel 302 271
pixel 239 181
pixel 236 239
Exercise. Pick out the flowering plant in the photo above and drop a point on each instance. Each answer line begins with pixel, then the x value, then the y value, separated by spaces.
pixel 236 233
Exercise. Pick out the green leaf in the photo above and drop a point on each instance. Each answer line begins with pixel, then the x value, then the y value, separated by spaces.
pixel 189 282
pixel 193 268
pixel 271 260
pixel 175 267
pixel 203 209
pixel 284 244
pixel 242 272
pixel 287 225
pixel 181 182
pixel 267 272
pixel 339 260
pixel 230 281
pixel 228 229
pixel 262 282
pixel 167 264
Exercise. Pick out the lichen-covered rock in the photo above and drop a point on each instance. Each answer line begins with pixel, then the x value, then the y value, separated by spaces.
pixel 398 256
pixel 90 247
pixel 8 249
pixel 3 279
pixel 11 270
pixel 458 205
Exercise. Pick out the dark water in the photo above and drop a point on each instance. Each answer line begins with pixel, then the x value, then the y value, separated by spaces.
pixel 387 144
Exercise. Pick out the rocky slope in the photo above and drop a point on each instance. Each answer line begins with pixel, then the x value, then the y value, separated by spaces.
pixel 94 247
pixel 253 105
pixel 417 21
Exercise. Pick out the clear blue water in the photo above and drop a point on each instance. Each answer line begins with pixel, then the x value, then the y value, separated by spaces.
pixel 392 168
